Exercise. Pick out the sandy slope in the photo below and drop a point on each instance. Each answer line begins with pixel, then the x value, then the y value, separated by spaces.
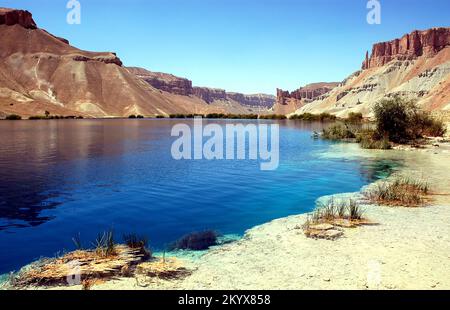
pixel 409 249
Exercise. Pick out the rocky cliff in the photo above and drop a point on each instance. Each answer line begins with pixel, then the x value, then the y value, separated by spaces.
pixel 167 82
pixel 416 66
pixel 256 100
pixel 411 46
pixel 12 17
pixel 308 93
pixel 183 86
pixel 210 95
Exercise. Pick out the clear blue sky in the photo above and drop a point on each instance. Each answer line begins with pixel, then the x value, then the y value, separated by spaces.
pixel 240 45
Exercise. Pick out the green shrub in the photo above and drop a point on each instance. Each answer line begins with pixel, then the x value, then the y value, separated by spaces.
pixel 327 117
pixel 177 116
pixel 370 139
pixel 354 117
pixel 323 117
pixel 13 117
pixel 401 121
pixel 338 132
pixel 426 125
pixel 273 116
pixel 37 117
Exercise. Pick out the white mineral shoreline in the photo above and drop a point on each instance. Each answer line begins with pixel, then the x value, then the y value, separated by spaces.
pixel 409 249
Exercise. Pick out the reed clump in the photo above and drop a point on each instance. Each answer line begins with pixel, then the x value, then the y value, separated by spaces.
pixel 329 216
pixel 402 191
pixel 106 261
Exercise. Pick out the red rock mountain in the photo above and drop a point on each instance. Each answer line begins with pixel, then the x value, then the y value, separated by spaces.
pixel 40 72
pixel 416 66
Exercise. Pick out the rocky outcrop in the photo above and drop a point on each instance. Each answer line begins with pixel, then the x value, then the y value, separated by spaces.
pixel 12 17
pixel 411 46
pixel 163 81
pixel 308 93
pixel 107 59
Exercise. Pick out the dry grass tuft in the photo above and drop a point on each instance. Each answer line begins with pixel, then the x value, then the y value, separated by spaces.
pixel 403 191
pixel 329 215
pixel 90 265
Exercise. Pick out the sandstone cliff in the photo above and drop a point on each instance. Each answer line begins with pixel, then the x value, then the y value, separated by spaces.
pixel 416 66
pixel 411 46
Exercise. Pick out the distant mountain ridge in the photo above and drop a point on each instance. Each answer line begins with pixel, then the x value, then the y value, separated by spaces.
pixel 183 86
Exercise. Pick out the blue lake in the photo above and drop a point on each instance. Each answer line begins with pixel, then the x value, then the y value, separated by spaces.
pixel 62 178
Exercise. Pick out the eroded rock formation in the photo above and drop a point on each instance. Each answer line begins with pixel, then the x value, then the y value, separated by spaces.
pixel 12 17
pixel 308 93
pixel 411 46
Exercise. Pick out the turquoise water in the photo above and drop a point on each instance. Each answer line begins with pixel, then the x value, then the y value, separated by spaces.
pixel 61 178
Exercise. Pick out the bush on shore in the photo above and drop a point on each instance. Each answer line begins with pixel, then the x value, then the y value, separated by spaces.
pixel 338 132
pixel 48 117
pixel 370 139
pixel 273 116
pixel 396 120
pixel 323 117
pixel 13 117
pixel 401 121
pixel 354 117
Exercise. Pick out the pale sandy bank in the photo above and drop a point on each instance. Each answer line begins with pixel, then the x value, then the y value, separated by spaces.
pixel 409 249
